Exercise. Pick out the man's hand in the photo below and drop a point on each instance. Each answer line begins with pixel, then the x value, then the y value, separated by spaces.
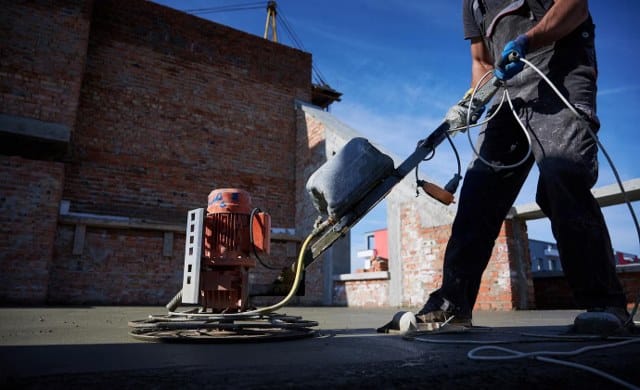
pixel 510 64
pixel 457 114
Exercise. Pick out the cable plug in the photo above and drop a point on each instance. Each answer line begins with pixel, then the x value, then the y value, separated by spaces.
pixel 437 193
pixel 452 185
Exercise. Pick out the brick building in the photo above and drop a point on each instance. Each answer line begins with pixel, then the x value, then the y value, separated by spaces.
pixel 117 117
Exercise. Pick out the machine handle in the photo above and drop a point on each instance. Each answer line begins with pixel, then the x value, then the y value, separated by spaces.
pixel 514 56
pixel 332 230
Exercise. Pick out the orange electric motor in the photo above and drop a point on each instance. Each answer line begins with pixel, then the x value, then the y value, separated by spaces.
pixel 233 231
pixel 232 227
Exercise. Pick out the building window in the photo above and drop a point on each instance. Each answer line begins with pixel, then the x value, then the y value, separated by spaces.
pixel 371 242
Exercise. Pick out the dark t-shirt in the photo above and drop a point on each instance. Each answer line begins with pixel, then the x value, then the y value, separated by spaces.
pixel 471 28
pixel 569 62
pixel 479 7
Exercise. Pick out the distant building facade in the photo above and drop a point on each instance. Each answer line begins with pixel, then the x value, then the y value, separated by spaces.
pixel 377 247
pixel 544 256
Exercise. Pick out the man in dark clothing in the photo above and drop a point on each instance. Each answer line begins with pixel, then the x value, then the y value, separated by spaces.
pixel 558 38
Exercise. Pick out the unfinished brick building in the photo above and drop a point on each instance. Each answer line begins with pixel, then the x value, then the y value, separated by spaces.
pixel 117 117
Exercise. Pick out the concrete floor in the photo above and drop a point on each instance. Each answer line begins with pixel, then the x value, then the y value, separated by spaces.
pixel 89 347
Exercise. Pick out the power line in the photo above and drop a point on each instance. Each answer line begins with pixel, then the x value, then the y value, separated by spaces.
pixel 226 8
pixel 317 76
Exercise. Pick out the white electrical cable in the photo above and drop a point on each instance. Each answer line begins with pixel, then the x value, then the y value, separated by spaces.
pixel 512 354
pixel 556 90
pixel 466 127
pixel 542 356
pixel 468 123
pixel 600 145
pixel 522 126
pixel 506 96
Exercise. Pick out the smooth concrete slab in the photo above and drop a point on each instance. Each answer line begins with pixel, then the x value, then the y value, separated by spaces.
pixel 89 347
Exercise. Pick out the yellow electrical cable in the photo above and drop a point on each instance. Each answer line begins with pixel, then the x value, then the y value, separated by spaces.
pixel 268 309
pixel 296 281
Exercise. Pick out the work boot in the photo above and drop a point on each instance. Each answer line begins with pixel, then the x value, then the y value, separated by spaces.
pixel 603 321
pixel 438 312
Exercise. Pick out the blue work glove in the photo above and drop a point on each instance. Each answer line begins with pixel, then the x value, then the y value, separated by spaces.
pixel 510 64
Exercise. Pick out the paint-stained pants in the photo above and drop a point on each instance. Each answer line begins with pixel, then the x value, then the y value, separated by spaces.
pixel 566 156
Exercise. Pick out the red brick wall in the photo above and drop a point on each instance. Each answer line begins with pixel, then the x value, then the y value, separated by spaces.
pixel 173 106
pixel 128 267
pixel 514 232
pixel 630 279
pixel 115 267
pixel 422 256
pixel 361 293
pixel 553 292
pixel 164 107
pixel 43 52
pixel 283 255
pixel 30 194
pixel 311 145
pixel 499 289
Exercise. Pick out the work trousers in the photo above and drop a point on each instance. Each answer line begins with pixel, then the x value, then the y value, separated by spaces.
pixel 566 156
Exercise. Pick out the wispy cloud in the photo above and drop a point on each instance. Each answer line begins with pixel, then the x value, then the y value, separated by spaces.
pixel 398 133
pixel 618 90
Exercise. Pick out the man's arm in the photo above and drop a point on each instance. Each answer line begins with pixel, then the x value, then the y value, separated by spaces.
pixel 562 18
pixel 481 60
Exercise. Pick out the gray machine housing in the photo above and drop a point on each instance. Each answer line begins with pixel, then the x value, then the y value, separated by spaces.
pixel 347 177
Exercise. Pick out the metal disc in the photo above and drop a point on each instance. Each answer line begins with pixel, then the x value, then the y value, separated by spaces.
pixel 214 329
pixel 240 334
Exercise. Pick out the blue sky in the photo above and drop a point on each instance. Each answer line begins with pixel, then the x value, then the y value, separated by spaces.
pixel 400 64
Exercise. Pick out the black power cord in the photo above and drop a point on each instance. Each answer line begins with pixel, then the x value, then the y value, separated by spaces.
pixel 452 185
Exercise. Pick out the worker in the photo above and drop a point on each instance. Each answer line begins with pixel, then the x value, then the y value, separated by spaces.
pixel 558 38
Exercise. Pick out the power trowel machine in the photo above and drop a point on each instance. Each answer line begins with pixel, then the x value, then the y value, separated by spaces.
pixel 220 242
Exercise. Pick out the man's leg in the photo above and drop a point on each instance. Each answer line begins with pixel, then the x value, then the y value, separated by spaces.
pixel 486 196
pixel 568 170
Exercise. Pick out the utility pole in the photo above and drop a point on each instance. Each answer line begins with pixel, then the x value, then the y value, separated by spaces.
pixel 271 21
